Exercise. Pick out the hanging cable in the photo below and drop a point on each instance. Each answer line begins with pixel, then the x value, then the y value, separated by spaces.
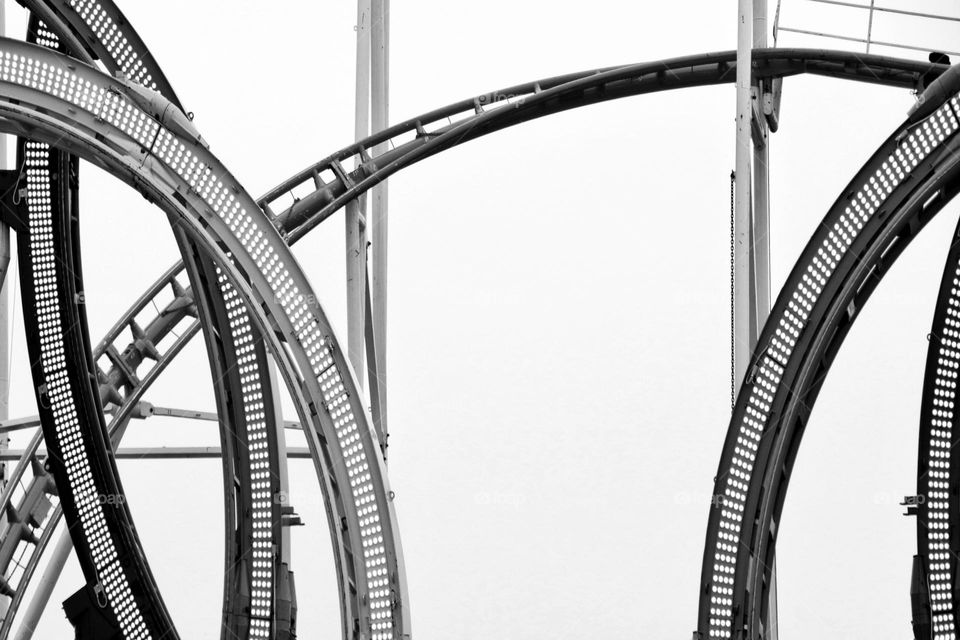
pixel 733 293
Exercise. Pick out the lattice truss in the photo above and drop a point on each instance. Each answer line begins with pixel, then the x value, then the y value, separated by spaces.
pixel 240 287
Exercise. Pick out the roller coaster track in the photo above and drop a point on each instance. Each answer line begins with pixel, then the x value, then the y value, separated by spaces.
pixel 319 191
pixel 311 196
pixel 134 133
pixel 240 426
pixel 936 600
pixel 910 178
pixel 314 194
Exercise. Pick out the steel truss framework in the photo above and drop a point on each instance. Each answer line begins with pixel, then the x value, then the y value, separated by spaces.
pixel 245 288
pixel 172 157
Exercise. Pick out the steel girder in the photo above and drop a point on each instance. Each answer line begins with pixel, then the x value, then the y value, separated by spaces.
pixel 136 136
pixel 903 185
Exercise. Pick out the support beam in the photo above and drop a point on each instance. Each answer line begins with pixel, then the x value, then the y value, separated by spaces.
pixel 380 108
pixel 356 210
pixel 744 329
pixel 51 574
pixel 5 286
pixel 162 453
pixel 760 263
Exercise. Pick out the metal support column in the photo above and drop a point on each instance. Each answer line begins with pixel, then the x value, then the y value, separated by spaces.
pixel 380 107
pixel 57 559
pixel 356 213
pixel 5 285
pixel 761 243
pixel 751 294
pixel 745 334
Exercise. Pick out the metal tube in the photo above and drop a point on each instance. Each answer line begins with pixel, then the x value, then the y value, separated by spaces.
pixel 761 251
pixel 380 108
pixel 164 453
pixel 5 284
pixel 51 574
pixel 356 236
pixel 743 198
pixel 761 190
pixel 902 12
pixel 862 40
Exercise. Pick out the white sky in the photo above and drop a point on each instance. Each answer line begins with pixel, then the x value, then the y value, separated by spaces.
pixel 559 320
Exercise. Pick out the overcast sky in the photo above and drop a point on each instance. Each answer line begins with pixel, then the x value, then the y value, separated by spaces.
pixel 559 319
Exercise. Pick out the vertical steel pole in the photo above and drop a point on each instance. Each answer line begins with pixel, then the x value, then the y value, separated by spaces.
pixel 761 189
pixel 5 284
pixel 761 249
pixel 356 235
pixel 743 331
pixel 57 559
pixel 380 108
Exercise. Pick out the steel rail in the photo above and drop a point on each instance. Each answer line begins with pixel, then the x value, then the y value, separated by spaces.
pixel 320 190
pixel 720 68
pixel 120 592
pixel 867 41
pixel 899 12
pixel 155 151
pixel 314 199
pixel 909 179
pixel 159 453
pixel 109 36
pixel 935 594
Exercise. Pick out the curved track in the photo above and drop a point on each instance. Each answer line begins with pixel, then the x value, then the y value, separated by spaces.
pixel 307 198
pixel 321 189
pixel 317 192
pixel 907 181
pixel 242 425
pixel 121 594
pixel 133 134
pixel 936 605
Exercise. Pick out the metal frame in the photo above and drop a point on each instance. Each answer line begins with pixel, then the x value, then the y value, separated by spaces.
pixel 90 21
pixel 718 70
pixel 209 204
pixel 935 597
pixel 907 181
pixel 121 597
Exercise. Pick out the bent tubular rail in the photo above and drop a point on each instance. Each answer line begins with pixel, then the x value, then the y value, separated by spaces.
pixel 120 592
pixel 904 184
pixel 120 595
pixel 108 35
pixel 937 503
pixel 314 194
pixel 107 121
pixel 317 192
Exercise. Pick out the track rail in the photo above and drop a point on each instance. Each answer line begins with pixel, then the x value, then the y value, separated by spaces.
pixel 312 195
pixel 120 596
pixel 307 198
pixel 901 187
pixel 136 137
pixel 248 612
pixel 936 594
